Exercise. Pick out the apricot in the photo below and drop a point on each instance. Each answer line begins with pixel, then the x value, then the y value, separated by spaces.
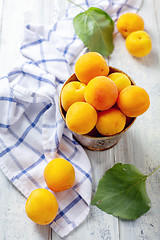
pixel 120 79
pixel 101 92
pixel 81 117
pixel 128 23
pixel 110 122
pixel 41 206
pixel 59 175
pixel 90 65
pixel 133 101
pixel 71 93
pixel 139 44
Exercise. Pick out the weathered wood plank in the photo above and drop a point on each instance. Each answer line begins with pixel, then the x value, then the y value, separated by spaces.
pixel 1 21
pixel 140 146
pixel 14 223
pixel 156 7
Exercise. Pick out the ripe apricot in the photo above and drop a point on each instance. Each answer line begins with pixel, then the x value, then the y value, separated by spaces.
pixel 133 101
pixel 110 122
pixel 59 175
pixel 139 44
pixel 90 65
pixel 120 79
pixel 101 92
pixel 128 23
pixel 71 93
pixel 81 117
pixel 41 206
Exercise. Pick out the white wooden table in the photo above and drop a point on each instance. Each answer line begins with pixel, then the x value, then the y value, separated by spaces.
pixel 140 145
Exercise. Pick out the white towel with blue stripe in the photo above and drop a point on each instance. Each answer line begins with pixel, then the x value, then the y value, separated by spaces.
pixel 32 131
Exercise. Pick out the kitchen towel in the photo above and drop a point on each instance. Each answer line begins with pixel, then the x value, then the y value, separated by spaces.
pixel 32 131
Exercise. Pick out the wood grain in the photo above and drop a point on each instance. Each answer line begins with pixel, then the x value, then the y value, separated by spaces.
pixel 139 146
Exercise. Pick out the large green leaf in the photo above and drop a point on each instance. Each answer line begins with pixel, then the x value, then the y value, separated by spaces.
pixel 122 192
pixel 95 28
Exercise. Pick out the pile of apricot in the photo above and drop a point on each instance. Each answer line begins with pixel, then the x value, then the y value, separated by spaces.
pixel 100 100
pixel 42 206
pixel 138 41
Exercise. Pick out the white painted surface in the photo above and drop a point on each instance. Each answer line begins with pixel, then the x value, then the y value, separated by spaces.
pixel 140 145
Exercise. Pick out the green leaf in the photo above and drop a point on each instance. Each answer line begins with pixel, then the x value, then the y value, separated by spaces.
pixel 122 192
pixel 95 28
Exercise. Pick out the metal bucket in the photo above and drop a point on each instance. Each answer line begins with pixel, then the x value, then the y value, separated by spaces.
pixel 93 140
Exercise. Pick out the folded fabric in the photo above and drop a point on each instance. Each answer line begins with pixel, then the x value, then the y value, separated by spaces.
pixel 32 131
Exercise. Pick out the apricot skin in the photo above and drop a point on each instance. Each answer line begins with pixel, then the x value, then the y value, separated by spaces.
pixel 89 66
pixel 101 92
pixel 133 101
pixel 110 122
pixel 71 93
pixel 41 206
pixel 121 80
pixel 81 117
pixel 128 23
pixel 139 44
pixel 59 175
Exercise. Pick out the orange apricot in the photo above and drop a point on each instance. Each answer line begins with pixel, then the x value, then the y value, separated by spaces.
pixel 129 22
pixel 81 117
pixel 139 43
pixel 133 101
pixel 120 79
pixel 71 93
pixel 89 66
pixel 59 175
pixel 110 122
pixel 101 92
pixel 41 206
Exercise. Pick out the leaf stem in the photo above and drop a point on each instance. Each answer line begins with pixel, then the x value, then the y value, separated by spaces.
pixel 76 5
pixel 153 171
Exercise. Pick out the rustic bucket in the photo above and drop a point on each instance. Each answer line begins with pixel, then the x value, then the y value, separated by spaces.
pixel 93 140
